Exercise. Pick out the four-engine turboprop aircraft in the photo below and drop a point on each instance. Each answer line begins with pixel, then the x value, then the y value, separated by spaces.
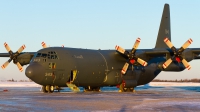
pixel 54 67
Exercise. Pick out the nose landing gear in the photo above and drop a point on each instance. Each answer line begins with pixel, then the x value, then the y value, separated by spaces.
pixel 48 89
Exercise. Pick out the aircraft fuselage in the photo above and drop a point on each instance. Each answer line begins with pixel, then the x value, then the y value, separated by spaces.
pixel 94 68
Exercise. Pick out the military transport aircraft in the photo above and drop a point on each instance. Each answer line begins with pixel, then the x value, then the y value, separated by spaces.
pixel 55 67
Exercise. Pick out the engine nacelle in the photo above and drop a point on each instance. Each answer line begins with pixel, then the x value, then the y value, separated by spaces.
pixel 174 66
pixel 188 55
pixel 24 59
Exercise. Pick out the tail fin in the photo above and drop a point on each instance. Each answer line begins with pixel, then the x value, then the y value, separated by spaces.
pixel 164 30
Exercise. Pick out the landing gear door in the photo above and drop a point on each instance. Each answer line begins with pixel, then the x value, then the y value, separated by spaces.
pixel 73 76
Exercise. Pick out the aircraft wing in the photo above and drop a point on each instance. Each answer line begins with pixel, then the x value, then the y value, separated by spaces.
pixel 164 52
pixel 8 55
pixel 21 59
pixel 4 55
pixel 157 52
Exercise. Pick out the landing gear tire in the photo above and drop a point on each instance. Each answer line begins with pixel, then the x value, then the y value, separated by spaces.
pixel 51 89
pixel 48 89
pixel 96 89
pixel 127 90
pixel 123 89
pixel 44 89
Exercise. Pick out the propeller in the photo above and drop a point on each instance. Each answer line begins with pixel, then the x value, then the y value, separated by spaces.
pixel 131 56
pixel 13 56
pixel 177 53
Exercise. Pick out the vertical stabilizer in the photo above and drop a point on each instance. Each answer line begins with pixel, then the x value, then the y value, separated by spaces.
pixel 164 30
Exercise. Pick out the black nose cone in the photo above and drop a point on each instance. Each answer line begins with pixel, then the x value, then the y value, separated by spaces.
pixel 35 72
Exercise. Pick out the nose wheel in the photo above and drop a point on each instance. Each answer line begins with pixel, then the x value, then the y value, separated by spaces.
pixel 48 89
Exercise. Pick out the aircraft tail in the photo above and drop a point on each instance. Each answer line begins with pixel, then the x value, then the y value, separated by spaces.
pixel 164 30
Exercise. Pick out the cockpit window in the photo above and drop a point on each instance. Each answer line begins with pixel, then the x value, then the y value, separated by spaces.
pixel 52 55
pixel 44 55
pixel 49 55
pixel 38 55
pixel 41 55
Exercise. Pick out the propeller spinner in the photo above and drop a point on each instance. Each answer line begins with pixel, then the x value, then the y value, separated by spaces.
pixel 177 53
pixel 131 56
pixel 13 56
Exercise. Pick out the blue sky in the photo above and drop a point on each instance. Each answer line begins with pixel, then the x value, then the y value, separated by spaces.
pixel 95 24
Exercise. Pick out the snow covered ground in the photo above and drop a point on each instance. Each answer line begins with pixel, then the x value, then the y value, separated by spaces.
pixel 155 96
pixel 18 84
pixel 32 84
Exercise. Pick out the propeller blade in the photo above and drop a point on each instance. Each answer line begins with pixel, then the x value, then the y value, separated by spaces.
pixel 166 64
pixel 169 44
pixel 21 48
pixel 137 42
pixel 124 69
pixel 187 43
pixel 7 46
pixel 19 67
pixel 120 49
pixel 44 45
pixel 142 62
pixel 5 65
pixel 186 64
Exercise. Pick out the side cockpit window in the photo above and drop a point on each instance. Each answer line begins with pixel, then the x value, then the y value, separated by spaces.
pixel 38 55
pixel 44 55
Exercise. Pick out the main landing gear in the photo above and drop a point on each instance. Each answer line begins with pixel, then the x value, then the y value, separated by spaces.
pixel 96 89
pixel 127 90
pixel 123 89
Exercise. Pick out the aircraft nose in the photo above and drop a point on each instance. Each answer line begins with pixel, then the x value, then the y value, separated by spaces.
pixel 34 71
